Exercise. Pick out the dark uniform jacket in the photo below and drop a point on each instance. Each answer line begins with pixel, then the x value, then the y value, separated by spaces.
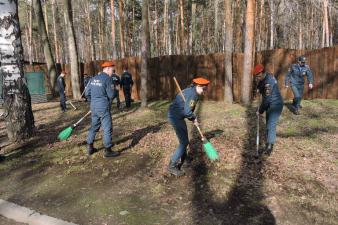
pixel 297 73
pixel 61 84
pixel 116 81
pixel 269 89
pixel 180 109
pixel 99 92
pixel 126 80
pixel 86 80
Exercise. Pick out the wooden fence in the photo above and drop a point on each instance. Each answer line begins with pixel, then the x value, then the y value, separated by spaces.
pixel 323 63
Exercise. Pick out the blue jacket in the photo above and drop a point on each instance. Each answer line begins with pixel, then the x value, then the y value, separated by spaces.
pixel 99 92
pixel 269 90
pixel 61 84
pixel 116 81
pixel 297 73
pixel 126 80
pixel 180 109
pixel 86 80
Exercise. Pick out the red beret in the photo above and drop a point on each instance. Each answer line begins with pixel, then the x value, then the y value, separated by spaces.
pixel 258 69
pixel 201 81
pixel 107 64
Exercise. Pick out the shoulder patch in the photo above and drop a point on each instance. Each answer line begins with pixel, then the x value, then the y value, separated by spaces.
pixel 192 104
pixel 267 89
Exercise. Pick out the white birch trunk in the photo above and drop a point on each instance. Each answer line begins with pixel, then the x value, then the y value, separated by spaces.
pixel 17 102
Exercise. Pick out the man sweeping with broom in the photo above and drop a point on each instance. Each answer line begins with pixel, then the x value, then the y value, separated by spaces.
pixel 100 94
pixel 181 108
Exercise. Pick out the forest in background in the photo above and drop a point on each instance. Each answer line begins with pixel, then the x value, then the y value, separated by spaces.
pixel 177 27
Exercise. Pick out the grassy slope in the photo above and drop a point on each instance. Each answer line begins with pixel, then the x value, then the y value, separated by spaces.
pixel 297 184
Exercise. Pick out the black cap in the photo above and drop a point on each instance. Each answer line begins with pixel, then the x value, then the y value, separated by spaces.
pixel 301 59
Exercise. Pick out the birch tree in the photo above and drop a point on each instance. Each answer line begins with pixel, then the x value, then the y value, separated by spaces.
pixel 19 117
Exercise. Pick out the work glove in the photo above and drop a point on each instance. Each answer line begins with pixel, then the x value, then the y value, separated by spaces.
pixel 196 122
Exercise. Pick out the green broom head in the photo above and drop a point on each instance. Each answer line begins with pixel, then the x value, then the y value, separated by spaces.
pixel 210 151
pixel 65 134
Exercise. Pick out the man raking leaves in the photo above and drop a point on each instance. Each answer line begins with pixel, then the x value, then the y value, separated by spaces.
pixel 183 107
pixel 272 105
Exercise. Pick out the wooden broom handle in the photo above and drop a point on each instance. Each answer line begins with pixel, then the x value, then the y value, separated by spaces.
pixel 180 90
pixel 80 120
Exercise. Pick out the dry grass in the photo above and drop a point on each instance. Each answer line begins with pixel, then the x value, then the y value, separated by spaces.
pixel 297 184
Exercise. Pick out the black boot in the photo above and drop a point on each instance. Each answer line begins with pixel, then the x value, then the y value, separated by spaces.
pixel 109 153
pixel 91 149
pixel 269 148
pixel 173 169
pixel 186 162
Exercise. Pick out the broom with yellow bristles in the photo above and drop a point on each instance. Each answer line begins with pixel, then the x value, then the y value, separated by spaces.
pixel 207 146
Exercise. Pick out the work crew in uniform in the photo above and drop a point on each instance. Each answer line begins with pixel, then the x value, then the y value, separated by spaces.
pixel 178 111
pixel 100 94
pixel 116 84
pixel 272 104
pixel 127 84
pixel 62 90
pixel 295 77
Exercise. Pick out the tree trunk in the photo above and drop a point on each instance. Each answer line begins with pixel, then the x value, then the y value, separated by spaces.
pixel 145 53
pixel 171 24
pixel 46 46
pixel 216 44
pixel 182 45
pixel 29 33
pixel 228 96
pixel 72 50
pixel 134 40
pixel 193 27
pixel 261 23
pixel 248 51
pixel 17 102
pixel 326 36
pixel 157 51
pixel 101 29
pixel 90 32
pixel 46 15
pixel 272 11
pixel 238 40
pixel 122 29
pixel 165 27
pixel 112 6
pixel 56 46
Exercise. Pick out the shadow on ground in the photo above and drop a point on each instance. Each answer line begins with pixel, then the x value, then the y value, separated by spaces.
pixel 46 133
pixel 137 135
pixel 244 201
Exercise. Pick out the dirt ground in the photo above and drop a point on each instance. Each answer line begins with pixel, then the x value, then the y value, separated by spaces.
pixel 5 221
pixel 297 184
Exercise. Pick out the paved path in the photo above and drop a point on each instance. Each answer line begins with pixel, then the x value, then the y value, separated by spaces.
pixel 24 215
